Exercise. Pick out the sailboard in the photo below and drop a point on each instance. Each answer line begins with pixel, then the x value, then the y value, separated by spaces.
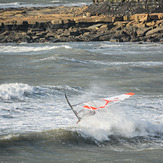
pixel 90 107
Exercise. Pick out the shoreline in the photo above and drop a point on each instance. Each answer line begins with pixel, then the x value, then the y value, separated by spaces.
pixel 73 24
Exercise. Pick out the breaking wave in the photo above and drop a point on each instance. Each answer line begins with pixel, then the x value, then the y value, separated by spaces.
pixel 139 122
pixel 26 49
pixel 76 137
pixel 8 5
pixel 113 129
pixel 15 91
pixel 136 64
pixel 118 123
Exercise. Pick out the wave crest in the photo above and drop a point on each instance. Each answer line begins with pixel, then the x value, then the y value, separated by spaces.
pixel 34 49
pixel 103 125
pixel 15 91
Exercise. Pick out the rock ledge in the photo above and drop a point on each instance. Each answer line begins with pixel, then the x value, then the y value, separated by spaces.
pixel 62 24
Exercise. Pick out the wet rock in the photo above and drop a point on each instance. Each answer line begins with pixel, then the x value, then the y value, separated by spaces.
pixel 105 37
pixel 115 40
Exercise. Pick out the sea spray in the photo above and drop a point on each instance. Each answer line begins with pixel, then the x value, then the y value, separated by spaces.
pixel 116 122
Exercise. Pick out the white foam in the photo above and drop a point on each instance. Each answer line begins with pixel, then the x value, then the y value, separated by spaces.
pixel 14 91
pixel 7 5
pixel 43 4
pixel 20 48
pixel 117 122
pixel 136 64
pixel 76 4
pixel 17 49
pixel 21 4
pixel 56 1
pixel 66 87
pixel 57 58
pixel 65 46
pixel 71 59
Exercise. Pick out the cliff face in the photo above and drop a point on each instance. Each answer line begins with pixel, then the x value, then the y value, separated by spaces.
pixel 125 7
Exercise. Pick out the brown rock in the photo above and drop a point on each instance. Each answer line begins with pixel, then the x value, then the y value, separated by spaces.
pixel 156 30
pixel 150 24
pixel 159 23
pixel 139 25
pixel 41 34
pixel 57 21
pixel 104 27
pixel 131 31
pixel 142 31
pixel 69 24
pixel 105 37
pixel 96 26
pixel 86 34
pixel 115 40
pixel 121 23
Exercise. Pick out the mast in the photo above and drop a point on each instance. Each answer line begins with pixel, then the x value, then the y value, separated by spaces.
pixel 72 108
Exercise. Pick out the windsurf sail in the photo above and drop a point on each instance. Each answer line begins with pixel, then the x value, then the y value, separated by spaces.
pixel 90 107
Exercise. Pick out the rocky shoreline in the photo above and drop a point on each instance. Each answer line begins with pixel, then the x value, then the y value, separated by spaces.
pixel 64 24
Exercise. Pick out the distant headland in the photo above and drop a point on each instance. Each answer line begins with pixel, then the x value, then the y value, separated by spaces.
pixel 103 20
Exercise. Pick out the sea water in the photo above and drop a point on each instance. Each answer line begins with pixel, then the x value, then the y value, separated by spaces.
pixel 37 125
pixel 42 3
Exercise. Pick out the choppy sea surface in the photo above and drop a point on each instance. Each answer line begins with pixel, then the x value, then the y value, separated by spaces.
pixel 41 3
pixel 37 124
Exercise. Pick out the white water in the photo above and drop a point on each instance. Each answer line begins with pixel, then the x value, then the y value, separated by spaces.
pixel 22 105
pixel 35 77
pixel 122 123
pixel 15 91
pixel 24 48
